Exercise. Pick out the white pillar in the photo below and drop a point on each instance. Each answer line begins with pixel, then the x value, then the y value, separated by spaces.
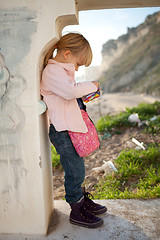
pixel 27 30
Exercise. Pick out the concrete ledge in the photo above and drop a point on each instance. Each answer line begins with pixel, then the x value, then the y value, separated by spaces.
pixel 125 220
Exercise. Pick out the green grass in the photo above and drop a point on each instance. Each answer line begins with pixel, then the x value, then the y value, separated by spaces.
pixel 138 173
pixel 55 157
pixel 145 112
pixel 153 127
pixel 138 176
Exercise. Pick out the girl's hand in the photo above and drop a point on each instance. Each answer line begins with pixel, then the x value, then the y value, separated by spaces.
pixel 96 83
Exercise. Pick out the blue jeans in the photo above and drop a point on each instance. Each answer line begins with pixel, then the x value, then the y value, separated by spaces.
pixel 72 163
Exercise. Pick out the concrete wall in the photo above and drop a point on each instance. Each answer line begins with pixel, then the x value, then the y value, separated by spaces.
pixel 27 31
pixel 102 4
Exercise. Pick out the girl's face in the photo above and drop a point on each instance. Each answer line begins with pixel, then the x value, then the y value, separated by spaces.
pixel 75 59
pixel 68 57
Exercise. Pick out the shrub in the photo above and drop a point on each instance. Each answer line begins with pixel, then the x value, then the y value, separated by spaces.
pixel 145 111
pixel 55 157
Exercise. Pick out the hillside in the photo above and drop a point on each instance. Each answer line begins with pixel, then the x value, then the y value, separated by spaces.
pixel 132 62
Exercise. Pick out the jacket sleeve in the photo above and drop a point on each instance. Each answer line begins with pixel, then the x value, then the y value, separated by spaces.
pixel 60 83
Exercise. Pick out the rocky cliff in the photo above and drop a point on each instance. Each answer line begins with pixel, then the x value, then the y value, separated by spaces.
pixel 132 62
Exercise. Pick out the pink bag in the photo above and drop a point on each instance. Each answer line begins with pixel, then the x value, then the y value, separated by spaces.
pixel 85 143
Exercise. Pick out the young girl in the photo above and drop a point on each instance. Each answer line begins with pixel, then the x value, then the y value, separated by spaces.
pixel 63 97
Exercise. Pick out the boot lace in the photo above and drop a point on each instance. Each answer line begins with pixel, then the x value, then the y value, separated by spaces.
pixel 88 196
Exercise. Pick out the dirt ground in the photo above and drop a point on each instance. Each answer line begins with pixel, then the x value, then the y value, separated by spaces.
pixel 109 150
pixel 110 147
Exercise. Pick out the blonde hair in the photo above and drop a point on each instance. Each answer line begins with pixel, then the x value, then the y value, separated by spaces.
pixel 77 44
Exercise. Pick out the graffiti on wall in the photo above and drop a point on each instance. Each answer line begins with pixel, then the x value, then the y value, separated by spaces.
pixel 16 28
pixel 11 122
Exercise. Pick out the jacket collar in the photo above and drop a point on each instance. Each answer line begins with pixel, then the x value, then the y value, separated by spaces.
pixel 67 66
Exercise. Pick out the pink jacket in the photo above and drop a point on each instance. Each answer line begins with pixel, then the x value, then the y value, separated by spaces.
pixel 59 91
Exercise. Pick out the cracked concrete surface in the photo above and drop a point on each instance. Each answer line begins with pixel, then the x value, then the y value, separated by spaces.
pixel 125 220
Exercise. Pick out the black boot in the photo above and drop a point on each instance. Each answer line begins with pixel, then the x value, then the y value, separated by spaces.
pixel 92 206
pixel 80 216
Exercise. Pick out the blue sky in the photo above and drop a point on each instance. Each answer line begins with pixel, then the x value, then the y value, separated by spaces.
pixel 98 26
